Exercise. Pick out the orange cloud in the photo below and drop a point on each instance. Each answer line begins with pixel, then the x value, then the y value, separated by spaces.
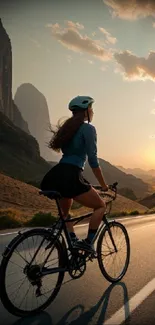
pixel 136 68
pixel 71 24
pixel 131 9
pixel 109 37
pixel 71 38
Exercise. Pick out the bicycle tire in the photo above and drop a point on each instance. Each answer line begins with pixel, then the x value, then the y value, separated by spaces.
pixel 7 303
pixel 99 252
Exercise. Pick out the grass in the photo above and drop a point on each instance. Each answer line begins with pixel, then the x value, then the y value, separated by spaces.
pixel 12 218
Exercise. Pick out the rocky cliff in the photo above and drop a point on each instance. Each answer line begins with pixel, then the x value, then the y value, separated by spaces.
pixel 20 154
pixel 7 105
pixel 34 109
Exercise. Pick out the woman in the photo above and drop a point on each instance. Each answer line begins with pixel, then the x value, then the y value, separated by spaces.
pixel 77 140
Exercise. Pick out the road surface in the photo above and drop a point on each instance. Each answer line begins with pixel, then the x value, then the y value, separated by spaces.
pixel 92 299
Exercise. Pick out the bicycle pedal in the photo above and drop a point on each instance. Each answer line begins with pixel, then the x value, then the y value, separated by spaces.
pixel 92 256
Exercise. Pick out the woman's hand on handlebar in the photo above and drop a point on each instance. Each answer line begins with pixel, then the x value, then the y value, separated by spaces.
pixel 105 188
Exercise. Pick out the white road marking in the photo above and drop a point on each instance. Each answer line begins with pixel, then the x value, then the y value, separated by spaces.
pixel 119 317
pixel 9 233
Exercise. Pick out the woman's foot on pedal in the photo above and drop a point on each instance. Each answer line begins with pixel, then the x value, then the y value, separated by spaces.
pixel 85 245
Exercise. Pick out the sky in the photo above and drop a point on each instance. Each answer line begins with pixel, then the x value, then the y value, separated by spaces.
pixel 101 48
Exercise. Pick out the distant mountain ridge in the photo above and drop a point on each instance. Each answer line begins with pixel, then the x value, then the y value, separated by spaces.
pixel 112 174
pixel 137 171
pixel 146 176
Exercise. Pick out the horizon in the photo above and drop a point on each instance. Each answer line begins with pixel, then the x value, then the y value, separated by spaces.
pixel 106 54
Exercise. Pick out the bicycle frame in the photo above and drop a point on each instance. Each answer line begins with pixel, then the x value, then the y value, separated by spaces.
pixel 67 236
pixel 63 227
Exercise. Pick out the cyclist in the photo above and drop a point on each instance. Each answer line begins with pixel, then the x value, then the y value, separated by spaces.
pixel 77 139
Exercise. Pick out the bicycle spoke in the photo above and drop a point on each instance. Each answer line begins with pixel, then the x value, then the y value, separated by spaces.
pixel 25 295
pixel 16 264
pixel 16 251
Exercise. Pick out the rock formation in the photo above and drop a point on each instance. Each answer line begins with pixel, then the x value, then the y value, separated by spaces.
pixel 34 109
pixel 7 105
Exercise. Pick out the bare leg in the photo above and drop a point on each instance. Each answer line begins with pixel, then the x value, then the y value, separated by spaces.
pixel 65 205
pixel 91 199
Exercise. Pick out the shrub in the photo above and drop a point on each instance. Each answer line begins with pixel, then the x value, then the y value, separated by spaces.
pixel 10 218
pixel 134 213
pixel 41 219
pixel 9 222
pixel 118 214
pixel 151 211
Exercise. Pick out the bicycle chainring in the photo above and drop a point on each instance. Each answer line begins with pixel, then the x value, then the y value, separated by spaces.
pixel 77 266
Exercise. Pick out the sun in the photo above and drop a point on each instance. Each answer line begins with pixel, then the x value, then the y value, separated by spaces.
pixel 149 156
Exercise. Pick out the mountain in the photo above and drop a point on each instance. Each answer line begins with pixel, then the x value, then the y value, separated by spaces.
pixel 151 172
pixel 112 174
pixel 146 176
pixel 7 106
pixel 19 152
pixel 33 107
pixel 148 201
pixel 137 171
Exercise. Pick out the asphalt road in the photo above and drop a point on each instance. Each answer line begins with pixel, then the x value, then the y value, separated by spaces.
pixel 92 299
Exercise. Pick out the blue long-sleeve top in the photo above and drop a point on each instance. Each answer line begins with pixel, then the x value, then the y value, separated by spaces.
pixel 83 145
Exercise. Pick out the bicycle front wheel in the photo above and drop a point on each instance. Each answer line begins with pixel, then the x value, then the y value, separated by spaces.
pixel 113 250
pixel 24 289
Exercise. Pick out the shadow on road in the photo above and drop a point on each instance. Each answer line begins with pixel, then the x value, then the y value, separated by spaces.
pixel 87 317
pixel 42 318
pixel 82 317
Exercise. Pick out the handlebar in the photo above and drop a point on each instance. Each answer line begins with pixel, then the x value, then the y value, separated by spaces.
pixel 112 187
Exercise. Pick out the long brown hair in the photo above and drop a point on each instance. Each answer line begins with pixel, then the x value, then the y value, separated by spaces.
pixel 66 130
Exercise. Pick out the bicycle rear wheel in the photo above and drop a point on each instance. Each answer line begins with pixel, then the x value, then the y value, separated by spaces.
pixel 24 290
pixel 113 261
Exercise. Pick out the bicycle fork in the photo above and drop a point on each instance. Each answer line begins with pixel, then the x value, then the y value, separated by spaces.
pixel 111 237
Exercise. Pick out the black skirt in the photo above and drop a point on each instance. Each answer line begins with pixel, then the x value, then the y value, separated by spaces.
pixel 66 179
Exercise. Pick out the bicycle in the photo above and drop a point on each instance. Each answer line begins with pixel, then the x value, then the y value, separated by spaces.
pixel 55 242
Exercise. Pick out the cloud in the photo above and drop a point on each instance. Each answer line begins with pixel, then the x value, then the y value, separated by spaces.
pixel 136 68
pixel 73 25
pixel 131 9
pixel 71 38
pixel 51 25
pixel 109 38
